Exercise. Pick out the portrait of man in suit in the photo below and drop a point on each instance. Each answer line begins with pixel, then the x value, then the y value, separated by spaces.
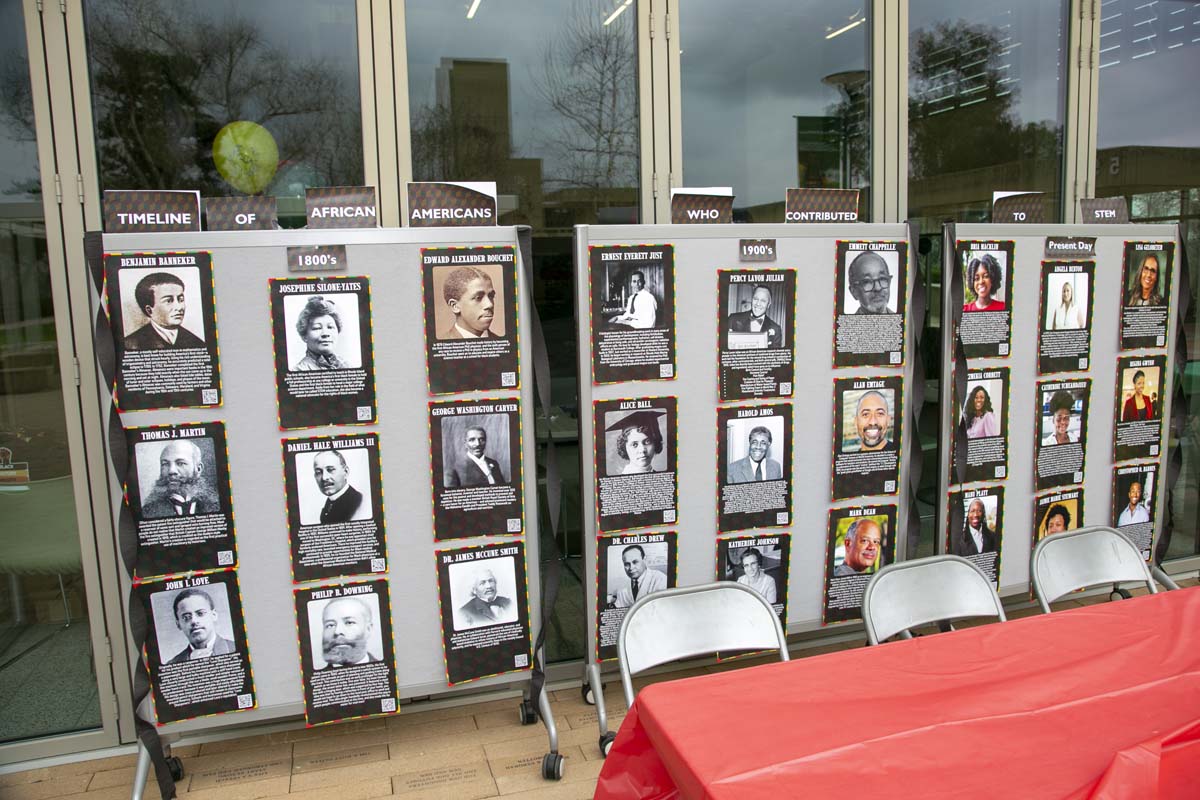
pixel 474 467
pixel 160 299
pixel 757 465
pixel 346 627
pixel 343 503
pixel 976 536
pixel 643 579
pixel 471 297
pixel 196 617
pixel 755 320
pixel 182 488
pixel 486 606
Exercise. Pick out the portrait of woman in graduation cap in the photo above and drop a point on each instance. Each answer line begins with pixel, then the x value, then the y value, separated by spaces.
pixel 639 442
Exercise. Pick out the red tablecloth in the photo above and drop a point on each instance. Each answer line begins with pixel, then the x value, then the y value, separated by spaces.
pixel 1094 702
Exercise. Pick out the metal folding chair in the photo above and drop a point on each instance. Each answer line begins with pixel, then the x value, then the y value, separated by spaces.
pixel 926 590
pixel 1067 561
pixel 695 620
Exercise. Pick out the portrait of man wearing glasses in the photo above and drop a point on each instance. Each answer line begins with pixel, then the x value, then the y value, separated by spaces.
pixel 870 283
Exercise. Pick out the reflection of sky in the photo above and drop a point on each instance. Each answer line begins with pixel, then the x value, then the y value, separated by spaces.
pixel 745 77
pixel 1149 59
pixel 18 160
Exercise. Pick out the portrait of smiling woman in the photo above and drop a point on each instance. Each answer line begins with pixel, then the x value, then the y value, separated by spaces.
pixel 319 325
pixel 638 443
pixel 985 279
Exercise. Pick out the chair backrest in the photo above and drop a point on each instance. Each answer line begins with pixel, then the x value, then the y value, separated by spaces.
pixel 694 620
pixel 912 593
pixel 1064 562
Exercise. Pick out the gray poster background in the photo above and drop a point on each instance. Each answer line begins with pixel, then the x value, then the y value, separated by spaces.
pixel 700 251
pixel 242 263
pixel 1019 523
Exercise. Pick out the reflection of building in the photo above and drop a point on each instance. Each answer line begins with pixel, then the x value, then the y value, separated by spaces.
pixel 1132 171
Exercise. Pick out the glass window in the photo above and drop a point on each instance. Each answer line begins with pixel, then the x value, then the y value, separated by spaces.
pixel 775 99
pixel 1147 151
pixel 43 605
pixel 986 109
pixel 544 104
pixel 279 77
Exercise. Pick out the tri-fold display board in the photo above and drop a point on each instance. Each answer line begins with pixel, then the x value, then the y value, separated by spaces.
pixel 745 413
pixel 1057 343
pixel 322 465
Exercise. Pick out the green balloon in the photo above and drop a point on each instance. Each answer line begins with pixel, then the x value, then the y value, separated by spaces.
pixel 246 156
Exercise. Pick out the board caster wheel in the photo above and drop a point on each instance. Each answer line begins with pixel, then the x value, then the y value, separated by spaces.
pixel 552 766
pixel 587 694
pixel 528 712
pixel 176 767
pixel 606 743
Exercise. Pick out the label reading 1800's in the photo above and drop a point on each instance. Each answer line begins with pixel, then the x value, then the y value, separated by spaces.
pixel 318 258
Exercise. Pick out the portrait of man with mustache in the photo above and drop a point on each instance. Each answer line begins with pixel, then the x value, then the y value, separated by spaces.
pixel 196 617
pixel 341 501
pixel 182 488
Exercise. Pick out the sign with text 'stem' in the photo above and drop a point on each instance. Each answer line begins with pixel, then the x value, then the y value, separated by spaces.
pixel 151 211
pixel 434 204
pixel 164 327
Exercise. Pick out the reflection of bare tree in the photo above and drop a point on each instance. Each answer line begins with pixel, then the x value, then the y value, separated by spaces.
pixel 589 80
pixel 166 80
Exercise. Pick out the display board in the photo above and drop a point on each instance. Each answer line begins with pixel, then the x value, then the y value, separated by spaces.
pixel 709 355
pixel 1049 332
pixel 349 493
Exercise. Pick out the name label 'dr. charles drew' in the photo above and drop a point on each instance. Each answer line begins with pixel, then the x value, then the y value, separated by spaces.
pixel 433 204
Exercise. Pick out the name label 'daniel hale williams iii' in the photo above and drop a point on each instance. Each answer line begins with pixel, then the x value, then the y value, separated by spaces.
pixel 341 207
pixel 702 206
pixel 145 211
pixel 821 205
pixel 444 204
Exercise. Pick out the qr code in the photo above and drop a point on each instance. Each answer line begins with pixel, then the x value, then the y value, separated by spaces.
pixel 1083 363
pixel 245 700
pixel 666 370
pixel 378 565
pixel 514 524
pixel 1077 477
pixel 894 358
pixel 521 660
pixel 785 388
pixel 209 396
pixel 1001 472
pixel 365 413
pixel 387 705
pixel 508 379
pixel 889 486
pixel 225 557
pixel 781 518
pixel 1160 340
pixel 1153 449
pixel 1002 349
pixel 669 516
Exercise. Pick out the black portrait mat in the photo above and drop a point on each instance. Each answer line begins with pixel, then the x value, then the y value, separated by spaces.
pixel 472 648
pixel 992 498
pixel 1145 326
pixel 1054 464
pixel 354 542
pixel 986 334
pixel 1066 349
pixel 313 398
pixel 661 550
pixel 619 352
pixel 465 504
pixel 842 594
pixel 150 374
pixel 858 474
pixel 742 502
pixel 657 492
pixel 1146 474
pixel 986 457
pixel 170 543
pixel 456 364
pixel 353 691
pixel 865 340
pixel 1138 438
pixel 1069 500
pixel 756 365
pixel 216 684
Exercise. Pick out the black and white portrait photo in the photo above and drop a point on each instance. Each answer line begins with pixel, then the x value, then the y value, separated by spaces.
pixel 161 308
pixel 754 466
pixel 484 592
pixel 635 446
pixel 344 631
pixel 754 448
pixel 476 450
pixel 339 488
pixel 757 333
pixel 869 309
pixel 759 563
pixel 193 623
pixel 636 570
pixel 177 478
pixel 758 313
pixel 635 442
pixel 871 282
pixel 322 332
